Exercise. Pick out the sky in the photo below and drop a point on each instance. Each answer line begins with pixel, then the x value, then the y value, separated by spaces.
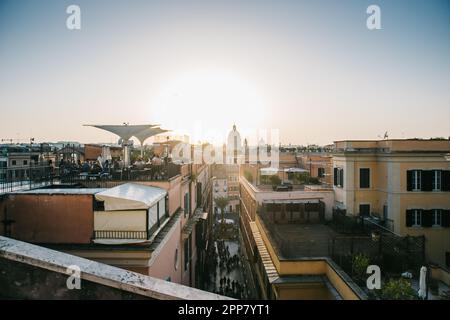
pixel 310 69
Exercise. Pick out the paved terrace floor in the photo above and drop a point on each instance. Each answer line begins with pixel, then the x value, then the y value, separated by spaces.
pixel 301 240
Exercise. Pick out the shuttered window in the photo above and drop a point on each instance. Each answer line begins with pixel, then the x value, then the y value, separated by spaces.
pixel 364 178
pixel 339 177
pixel 428 218
pixel 413 218
pixel 436 183
pixel 321 172
pixel 437 217
pixel 414 180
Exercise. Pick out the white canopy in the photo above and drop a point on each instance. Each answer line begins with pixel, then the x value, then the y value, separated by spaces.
pixel 125 131
pixel 147 133
pixel 130 196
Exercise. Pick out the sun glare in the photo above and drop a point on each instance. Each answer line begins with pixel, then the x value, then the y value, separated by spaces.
pixel 206 103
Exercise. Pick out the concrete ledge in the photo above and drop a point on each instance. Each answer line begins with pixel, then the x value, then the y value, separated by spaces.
pixel 132 282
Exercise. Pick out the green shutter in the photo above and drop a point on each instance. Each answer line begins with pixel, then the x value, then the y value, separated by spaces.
pixel 409 174
pixel 445 182
pixel 427 180
pixel 409 217
pixel 446 218
pixel 427 218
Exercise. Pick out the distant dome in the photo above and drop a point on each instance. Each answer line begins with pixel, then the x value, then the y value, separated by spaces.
pixel 234 145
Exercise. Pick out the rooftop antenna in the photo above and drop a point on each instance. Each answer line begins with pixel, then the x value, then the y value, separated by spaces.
pixel 385 136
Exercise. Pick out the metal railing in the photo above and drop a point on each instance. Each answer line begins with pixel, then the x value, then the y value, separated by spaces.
pixel 24 178
pixel 30 177
pixel 117 234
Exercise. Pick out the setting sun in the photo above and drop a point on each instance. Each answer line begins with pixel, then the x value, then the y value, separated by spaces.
pixel 221 96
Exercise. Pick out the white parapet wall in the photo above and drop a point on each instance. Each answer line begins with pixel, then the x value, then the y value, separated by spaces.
pixel 46 259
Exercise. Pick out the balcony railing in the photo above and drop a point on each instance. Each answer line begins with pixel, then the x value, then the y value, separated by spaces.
pixel 116 234
pixel 22 178
pixel 30 177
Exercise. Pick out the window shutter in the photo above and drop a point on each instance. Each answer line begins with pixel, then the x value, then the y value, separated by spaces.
pixel 409 218
pixel 427 218
pixel 409 177
pixel 427 180
pixel 341 177
pixel 445 180
pixel 335 176
pixel 446 218
pixel 364 178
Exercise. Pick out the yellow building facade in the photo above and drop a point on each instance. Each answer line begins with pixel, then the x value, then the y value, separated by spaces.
pixel 404 183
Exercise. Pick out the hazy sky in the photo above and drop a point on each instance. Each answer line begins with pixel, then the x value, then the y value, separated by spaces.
pixel 311 69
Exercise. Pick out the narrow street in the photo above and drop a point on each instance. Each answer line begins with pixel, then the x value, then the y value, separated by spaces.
pixel 229 270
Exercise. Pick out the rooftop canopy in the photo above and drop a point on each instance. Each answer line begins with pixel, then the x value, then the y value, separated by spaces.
pixel 126 131
pixel 147 133
pixel 130 196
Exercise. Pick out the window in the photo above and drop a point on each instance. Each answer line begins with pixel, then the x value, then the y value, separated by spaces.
pixel 186 204
pixel 339 177
pixel 25 162
pixel 176 259
pixel 417 179
pixel 417 218
pixel 199 194
pixel 436 180
pixel 364 209
pixel 414 180
pixel 437 218
pixel 13 162
pixel 321 172
pixel 187 252
pixel 364 178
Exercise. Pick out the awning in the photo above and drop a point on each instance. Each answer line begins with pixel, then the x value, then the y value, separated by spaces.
pixel 131 196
